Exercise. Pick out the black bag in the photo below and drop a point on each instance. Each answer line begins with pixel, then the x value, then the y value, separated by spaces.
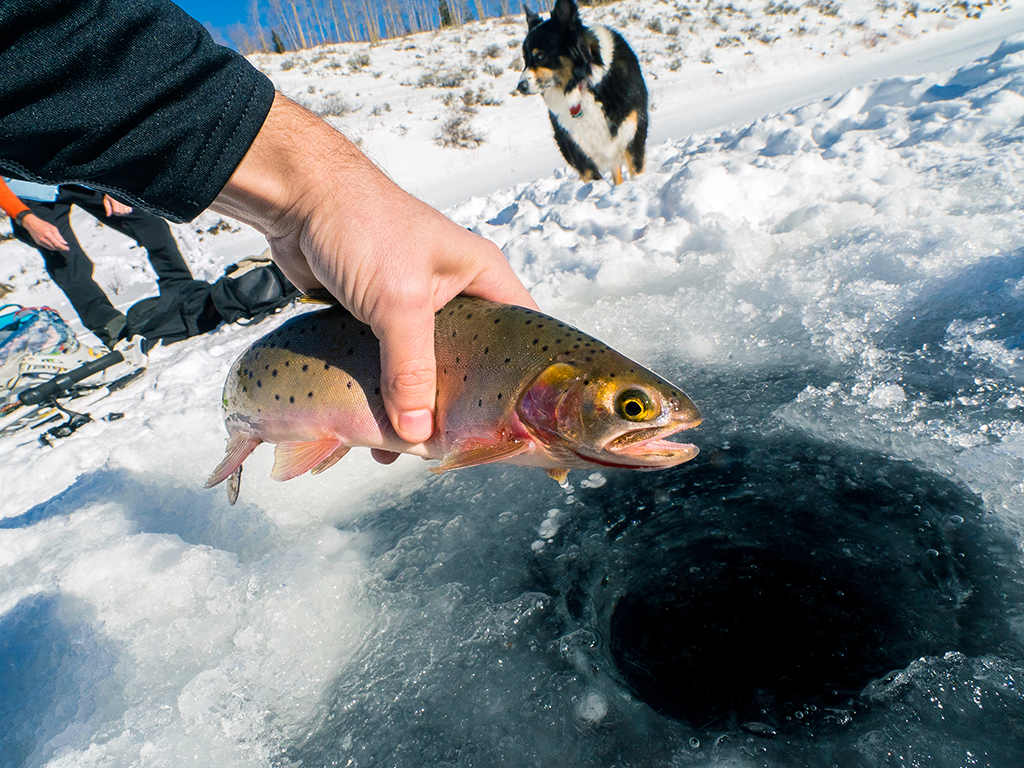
pixel 249 291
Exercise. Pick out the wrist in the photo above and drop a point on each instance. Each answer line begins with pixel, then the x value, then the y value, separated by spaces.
pixel 293 168
pixel 19 217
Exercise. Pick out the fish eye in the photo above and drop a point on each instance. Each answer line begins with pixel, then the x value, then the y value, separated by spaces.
pixel 635 405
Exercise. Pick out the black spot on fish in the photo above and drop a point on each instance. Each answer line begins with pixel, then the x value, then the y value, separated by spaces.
pixel 544 348
pixel 612 375
pixel 497 320
pixel 274 372
pixel 456 360
pixel 453 334
pixel 445 370
pixel 476 336
pixel 266 367
pixel 327 366
pixel 586 382
pixel 536 340
pixel 291 399
pixel 575 346
pixel 469 315
pixel 305 368
pixel 465 377
pixel 259 383
pixel 499 395
pixel 286 362
pixel 277 397
pixel 588 359
pixel 486 350
pixel 480 404
pixel 508 360
pixel 349 385
pixel 310 394
pixel 528 322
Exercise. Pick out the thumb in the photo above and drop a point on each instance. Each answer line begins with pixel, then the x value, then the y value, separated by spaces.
pixel 408 372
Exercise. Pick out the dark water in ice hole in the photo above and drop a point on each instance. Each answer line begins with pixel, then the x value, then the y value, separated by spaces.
pixel 778 601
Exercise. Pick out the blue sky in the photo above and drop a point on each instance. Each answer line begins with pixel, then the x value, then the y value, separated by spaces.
pixel 218 14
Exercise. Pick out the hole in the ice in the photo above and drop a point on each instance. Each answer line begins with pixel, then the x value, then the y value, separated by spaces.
pixel 768 586
pixel 749 635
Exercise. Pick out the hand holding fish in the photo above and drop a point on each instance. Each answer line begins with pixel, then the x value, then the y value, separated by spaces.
pixel 334 220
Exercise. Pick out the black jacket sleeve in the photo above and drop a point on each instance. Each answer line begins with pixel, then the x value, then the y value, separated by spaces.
pixel 131 97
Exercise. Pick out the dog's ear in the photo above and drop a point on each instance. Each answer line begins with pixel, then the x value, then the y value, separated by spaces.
pixel 566 14
pixel 532 19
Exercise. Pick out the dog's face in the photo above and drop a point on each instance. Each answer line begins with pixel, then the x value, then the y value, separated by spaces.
pixel 552 49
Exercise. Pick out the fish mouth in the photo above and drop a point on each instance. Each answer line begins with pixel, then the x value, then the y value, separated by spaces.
pixel 650 447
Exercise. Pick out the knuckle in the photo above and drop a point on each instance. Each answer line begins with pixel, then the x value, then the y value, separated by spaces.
pixel 412 380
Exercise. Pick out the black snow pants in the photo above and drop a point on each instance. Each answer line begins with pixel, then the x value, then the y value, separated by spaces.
pixel 72 270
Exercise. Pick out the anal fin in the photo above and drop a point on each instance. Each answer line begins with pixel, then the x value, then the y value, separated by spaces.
pixel 293 459
pixel 240 445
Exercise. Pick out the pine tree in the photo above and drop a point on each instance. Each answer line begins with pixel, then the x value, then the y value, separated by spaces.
pixel 446 14
pixel 278 45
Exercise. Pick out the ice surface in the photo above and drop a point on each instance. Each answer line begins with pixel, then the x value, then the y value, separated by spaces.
pixel 835 279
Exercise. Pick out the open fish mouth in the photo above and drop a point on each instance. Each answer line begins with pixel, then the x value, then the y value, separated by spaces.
pixel 650 447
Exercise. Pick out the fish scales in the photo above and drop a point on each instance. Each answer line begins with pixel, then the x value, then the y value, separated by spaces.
pixel 513 385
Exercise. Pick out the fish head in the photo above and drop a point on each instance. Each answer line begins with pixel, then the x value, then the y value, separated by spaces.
pixel 620 417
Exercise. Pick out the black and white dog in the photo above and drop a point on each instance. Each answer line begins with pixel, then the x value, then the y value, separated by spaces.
pixel 591 82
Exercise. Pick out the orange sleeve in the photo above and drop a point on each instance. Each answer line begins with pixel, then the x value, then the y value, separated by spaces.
pixel 9 201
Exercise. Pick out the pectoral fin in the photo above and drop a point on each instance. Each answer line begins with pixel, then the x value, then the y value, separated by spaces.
pixel 292 459
pixel 560 476
pixel 472 454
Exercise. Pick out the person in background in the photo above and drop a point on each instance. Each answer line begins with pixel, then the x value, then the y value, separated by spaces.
pixel 41 217
pixel 192 125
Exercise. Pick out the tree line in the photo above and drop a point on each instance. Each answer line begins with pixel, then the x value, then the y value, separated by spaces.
pixel 285 25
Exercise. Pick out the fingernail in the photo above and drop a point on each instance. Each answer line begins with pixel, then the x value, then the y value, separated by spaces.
pixel 416 425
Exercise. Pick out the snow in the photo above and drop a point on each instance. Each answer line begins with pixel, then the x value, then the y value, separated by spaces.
pixel 826 243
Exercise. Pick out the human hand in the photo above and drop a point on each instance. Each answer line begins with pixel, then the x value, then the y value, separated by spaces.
pixel 44 234
pixel 113 207
pixel 334 220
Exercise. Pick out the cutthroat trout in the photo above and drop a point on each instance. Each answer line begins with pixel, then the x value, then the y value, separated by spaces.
pixel 513 386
